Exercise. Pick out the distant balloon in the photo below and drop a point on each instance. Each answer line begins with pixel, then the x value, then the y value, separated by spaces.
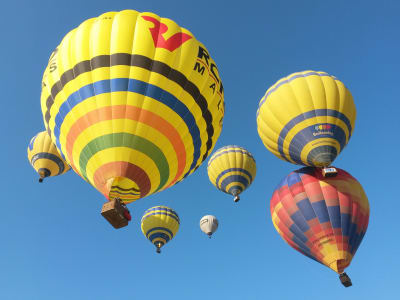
pixel 306 118
pixel 159 225
pixel 231 169
pixel 208 224
pixel 323 218
pixel 133 101
pixel 44 157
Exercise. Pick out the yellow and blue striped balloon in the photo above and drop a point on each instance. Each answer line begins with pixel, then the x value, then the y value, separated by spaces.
pixel 306 118
pixel 133 101
pixel 159 225
pixel 44 157
pixel 231 169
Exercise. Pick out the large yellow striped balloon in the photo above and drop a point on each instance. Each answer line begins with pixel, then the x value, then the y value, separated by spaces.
pixel 159 225
pixel 231 169
pixel 306 118
pixel 44 157
pixel 133 101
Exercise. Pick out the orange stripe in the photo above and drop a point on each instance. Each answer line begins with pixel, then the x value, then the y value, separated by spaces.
pixel 133 113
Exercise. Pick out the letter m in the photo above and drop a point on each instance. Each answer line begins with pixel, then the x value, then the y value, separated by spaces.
pixel 199 68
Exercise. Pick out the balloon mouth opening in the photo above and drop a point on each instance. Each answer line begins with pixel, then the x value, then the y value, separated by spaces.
pixel 339 265
pixel 43 173
pixel 322 156
pixel 123 188
pixel 323 159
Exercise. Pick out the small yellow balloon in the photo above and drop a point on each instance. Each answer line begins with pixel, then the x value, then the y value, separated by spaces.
pixel 44 157
pixel 159 225
pixel 231 169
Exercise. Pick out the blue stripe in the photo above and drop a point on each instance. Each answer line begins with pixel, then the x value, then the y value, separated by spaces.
pixel 306 135
pixel 306 209
pixel 302 246
pixel 293 178
pixel 358 242
pixel 230 149
pixel 233 170
pixel 321 211
pixel 160 228
pixel 300 221
pixel 162 208
pixel 233 178
pixel 353 237
pixel 308 115
pixel 161 213
pixel 134 86
pixel 284 81
pixel 49 156
pixel 159 235
pixel 334 216
pixel 345 220
pixel 298 233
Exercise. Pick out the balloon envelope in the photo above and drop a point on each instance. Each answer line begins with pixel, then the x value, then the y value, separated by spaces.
pixel 44 157
pixel 306 118
pixel 133 101
pixel 159 225
pixel 209 224
pixel 231 169
pixel 323 218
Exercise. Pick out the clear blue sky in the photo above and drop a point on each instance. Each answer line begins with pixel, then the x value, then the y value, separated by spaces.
pixel 55 245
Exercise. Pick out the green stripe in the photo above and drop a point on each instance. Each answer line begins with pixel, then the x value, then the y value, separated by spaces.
pixel 131 141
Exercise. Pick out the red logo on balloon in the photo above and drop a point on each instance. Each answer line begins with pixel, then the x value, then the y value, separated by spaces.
pixel 159 29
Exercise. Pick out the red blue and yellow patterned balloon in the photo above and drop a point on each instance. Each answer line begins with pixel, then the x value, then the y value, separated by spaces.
pixel 133 101
pixel 323 218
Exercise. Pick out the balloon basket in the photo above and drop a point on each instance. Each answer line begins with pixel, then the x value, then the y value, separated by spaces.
pixel 345 280
pixel 114 212
pixel 329 172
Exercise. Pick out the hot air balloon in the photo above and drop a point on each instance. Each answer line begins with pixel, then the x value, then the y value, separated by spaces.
pixel 159 225
pixel 133 101
pixel 231 169
pixel 323 218
pixel 44 157
pixel 306 118
pixel 209 224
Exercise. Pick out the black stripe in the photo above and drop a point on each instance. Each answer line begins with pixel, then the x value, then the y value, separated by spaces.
pixel 140 61
pixel 125 190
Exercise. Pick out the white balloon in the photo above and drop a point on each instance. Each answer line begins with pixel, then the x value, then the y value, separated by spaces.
pixel 208 224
